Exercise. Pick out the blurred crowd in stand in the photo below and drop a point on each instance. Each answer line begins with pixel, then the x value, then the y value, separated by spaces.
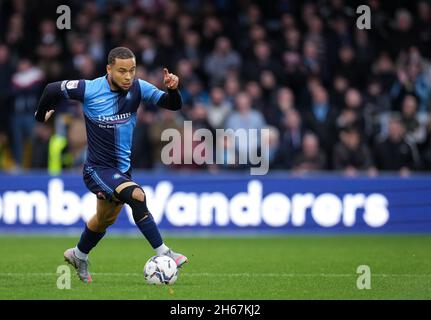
pixel 332 96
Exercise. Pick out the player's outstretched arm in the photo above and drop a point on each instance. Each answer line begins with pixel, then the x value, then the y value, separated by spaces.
pixel 172 99
pixel 54 93
pixel 51 96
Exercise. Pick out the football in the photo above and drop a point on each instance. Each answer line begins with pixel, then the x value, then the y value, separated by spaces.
pixel 160 270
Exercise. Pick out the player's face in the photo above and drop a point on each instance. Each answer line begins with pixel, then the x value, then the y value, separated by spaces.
pixel 122 73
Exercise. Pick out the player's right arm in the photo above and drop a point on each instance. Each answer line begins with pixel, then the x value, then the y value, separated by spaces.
pixel 170 100
pixel 56 92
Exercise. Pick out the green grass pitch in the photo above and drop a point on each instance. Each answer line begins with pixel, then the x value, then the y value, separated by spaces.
pixel 284 267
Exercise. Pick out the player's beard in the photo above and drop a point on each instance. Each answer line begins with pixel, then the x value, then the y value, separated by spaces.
pixel 117 86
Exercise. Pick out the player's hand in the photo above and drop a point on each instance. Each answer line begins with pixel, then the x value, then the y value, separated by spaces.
pixel 48 115
pixel 170 80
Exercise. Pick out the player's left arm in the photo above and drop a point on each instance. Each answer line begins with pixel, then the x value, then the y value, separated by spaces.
pixel 170 100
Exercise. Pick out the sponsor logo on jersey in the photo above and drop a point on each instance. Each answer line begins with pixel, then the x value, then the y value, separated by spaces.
pixel 114 119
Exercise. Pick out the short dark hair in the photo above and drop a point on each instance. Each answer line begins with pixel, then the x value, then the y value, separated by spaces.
pixel 120 53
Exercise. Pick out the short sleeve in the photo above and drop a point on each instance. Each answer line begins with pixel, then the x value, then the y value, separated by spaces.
pixel 149 92
pixel 73 89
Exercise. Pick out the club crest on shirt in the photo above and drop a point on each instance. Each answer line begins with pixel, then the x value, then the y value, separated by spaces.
pixel 116 176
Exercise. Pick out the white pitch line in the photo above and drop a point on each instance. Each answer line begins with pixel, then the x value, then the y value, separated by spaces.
pixel 204 274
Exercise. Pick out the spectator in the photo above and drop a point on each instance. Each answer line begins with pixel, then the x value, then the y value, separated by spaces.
pixel 6 161
pixel 40 151
pixel 376 108
pixel 245 118
pixel 365 51
pixel 193 152
pixel 285 100
pixel 292 134
pixel 26 89
pixel 211 31
pixel 218 108
pixel 340 86
pixel 147 52
pixel 231 87
pixel 15 38
pixel 384 71
pixel 394 153
pixel 191 49
pixel 255 90
pixel 316 37
pixel 227 154
pixel 261 60
pixel 256 33
pixel 142 145
pixel 97 48
pixel 351 155
pixel 166 120
pixel 347 65
pixel 271 135
pixel 352 113
pixel 198 114
pixel 312 62
pixel 412 79
pixel 76 149
pixel 294 71
pixel 221 60
pixel 186 71
pixel 423 26
pixel 403 35
pixel 166 47
pixel 282 100
pixel 194 91
pixel 320 119
pixel 292 40
pixel 415 130
pixel 268 83
pixel 426 147
pixel 311 158
pixel 6 72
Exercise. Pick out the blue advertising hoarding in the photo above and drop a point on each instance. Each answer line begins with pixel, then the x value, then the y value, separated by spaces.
pixel 277 203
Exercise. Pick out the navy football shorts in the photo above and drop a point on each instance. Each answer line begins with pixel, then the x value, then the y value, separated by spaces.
pixel 103 181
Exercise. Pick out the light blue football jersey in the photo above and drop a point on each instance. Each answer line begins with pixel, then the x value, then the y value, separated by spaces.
pixel 110 117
